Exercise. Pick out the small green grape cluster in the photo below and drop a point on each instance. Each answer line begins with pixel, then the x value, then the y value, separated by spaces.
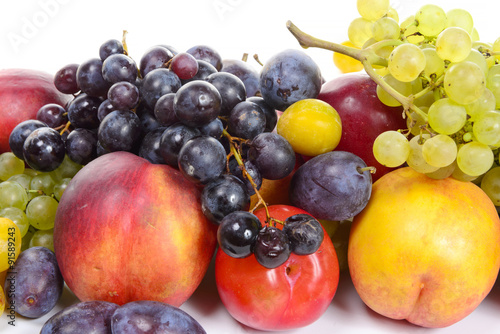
pixel 30 198
pixel 448 82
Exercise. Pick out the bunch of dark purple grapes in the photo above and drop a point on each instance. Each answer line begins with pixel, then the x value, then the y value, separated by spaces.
pixel 241 234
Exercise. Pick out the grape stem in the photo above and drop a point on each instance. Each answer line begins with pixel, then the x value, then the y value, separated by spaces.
pixel 366 56
pixel 235 152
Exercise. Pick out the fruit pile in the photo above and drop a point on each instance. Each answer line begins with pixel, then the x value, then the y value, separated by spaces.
pixel 127 191
pixel 435 66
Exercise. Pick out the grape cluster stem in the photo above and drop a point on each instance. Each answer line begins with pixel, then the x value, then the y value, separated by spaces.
pixel 237 155
pixel 368 58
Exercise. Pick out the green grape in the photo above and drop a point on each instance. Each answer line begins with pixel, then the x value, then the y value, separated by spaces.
pixel 415 122
pixel 446 117
pixel 68 168
pixel 404 88
pixel 412 35
pixel 10 165
pixel 44 238
pixel 372 10
pixel 18 217
pixel 443 172
pixel 433 64
pixel 493 83
pixel 41 212
pixel 391 148
pixel 477 58
pixel 474 35
pixel 459 18
pixel 486 102
pixel 43 182
pixel 495 47
pixel 474 158
pixel 431 20
pixel 393 14
pixel 490 183
pixel 406 62
pixel 385 28
pixel 416 159
pixel 22 179
pixel 459 175
pixel 12 194
pixel 439 151
pixel 453 44
pixel 31 172
pixel 486 127
pixel 464 82
pixel 27 238
pixel 60 187
pixel 359 31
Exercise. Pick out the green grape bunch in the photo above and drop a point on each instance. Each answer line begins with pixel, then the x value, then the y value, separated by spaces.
pixel 447 80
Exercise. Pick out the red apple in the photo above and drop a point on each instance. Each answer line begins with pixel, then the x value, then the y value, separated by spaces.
pixel 290 296
pixel 22 93
pixel 130 230
pixel 363 116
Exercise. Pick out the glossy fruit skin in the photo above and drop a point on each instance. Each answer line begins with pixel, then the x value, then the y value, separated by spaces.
pixel 363 116
pixel 424 250
pixel 22 93
pixel 290 296
pixel 129 230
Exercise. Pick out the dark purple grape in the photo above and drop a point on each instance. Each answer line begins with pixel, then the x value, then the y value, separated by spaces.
pixel 164 110
pixel 123 95
pixel 197 103
pixel 110 47
pixel 272 247
pixel 101 150
pixel 119 67
pixel 88 317
pixel 81 146
pixel 157 83
pixel 65 79
pixel 247 74
pixel 273 155
pixel 252 170
pixel 20 133
pixel 213 129
pixel 150 146
pixel 222 196
pixel 90 80
pixel 36 281
pixel 331 186
pixel 269 112
pixel 148 121
pixel 231 89
pixel 82 111
pixel 157 317
pixel 155 57
pixel 237 233
pixel 208 54
pixel 289 76
pixel 104 109
pixel 304 232
pixel 119 131
pixel 246 120
pixel 204 70
pixel 52 114
pixel 184 65
pixel 44 149
pixel 202 159
pixel 173 139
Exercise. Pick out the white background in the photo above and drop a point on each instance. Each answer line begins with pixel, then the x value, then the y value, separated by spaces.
pixel 48 34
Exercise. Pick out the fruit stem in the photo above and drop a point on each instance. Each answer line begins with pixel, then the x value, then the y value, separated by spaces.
pixel 367 57
pixel 124 42
pixel 371 169
pixel 65 128
pixel 256 57
pixel 237 155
